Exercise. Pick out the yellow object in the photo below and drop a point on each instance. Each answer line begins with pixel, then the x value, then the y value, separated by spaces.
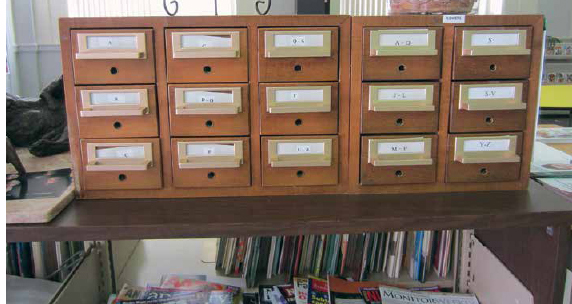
pixel 556 96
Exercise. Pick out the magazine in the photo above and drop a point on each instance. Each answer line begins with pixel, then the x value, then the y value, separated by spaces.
pixel 147 295
pixel 288 293
pixel 301 290
pixel 554 135
pixel 550 162
pixel 318 291
pixel 392 295
pixel 188 283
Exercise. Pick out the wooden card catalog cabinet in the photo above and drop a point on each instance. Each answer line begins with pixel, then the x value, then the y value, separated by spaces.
pixel 398 160
pixel 489 106
pixel 400 107
pixel 295 54
pixel 121 164
pixel 402 53
pixel 117 111
pixel 300 161
pixel 484 157
pixel 207 55
pixel 211 162
pixel 492 53
pixel 299 105
pixel 299 108
pixel 113 56
pixel 199 109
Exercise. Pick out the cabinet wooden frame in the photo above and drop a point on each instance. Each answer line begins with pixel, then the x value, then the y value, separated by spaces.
pixel 360 25
pixel 252 26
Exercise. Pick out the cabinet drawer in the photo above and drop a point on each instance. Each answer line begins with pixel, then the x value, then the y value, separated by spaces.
pixel 400 107
pixel 117 111
pixel 492 52
pixel 211 162
pixel 299 160
pixel 489 106
pixel 113 56
pixel 121 163
pixel 298 54
pixel 484 157
pixel 209 109
pixel 291 108
pixel 402 53
pixel 398 159
pixel 207 55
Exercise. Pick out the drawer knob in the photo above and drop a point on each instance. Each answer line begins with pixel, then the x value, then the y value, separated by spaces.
pixel 489 120
pixel 300 173
pixel 122 177
pixel 493 67
pixel 209 123
pixel 399 173
pixel 401 68
pixel 211 175
pixel 484 172
pixel 117 125
pixel 399 122
pixel 207 69
pixel 297 68
pixel 298 122
pixel 113 70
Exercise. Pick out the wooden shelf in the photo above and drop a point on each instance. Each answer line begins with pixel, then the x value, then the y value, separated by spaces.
pixel 290 215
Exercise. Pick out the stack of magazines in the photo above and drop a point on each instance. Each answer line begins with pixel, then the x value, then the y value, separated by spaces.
pixel 179 289
pixel 185 289
pixel 352 256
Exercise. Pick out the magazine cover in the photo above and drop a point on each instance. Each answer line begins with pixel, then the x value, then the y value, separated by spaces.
pixel 140 295
pixel 371 295
pixel 318 291
pixel 188 283
pixel 301 290
pixel 288 293
pixel 392 295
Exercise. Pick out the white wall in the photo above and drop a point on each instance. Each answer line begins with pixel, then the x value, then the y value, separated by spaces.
pixel 278 7
pixel 33 46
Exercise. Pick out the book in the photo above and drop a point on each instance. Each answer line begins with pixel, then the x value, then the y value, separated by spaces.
pixel 393 295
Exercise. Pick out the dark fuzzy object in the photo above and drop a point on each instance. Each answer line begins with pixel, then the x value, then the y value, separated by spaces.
pixel 39 124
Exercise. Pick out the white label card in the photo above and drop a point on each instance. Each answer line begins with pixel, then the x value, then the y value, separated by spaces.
pixel 120 152
pixel 208 97
pixel 108 98
pixel 415 147
pixel 453 18
pixel 486 145
pixel 299 95
pixel 310 40
pixel 300 148
pixel 205 41
pixel 492 93
pixel 402 94
pixel 210 150
pixel 111 42
pixel 509 39
pixel 404 40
